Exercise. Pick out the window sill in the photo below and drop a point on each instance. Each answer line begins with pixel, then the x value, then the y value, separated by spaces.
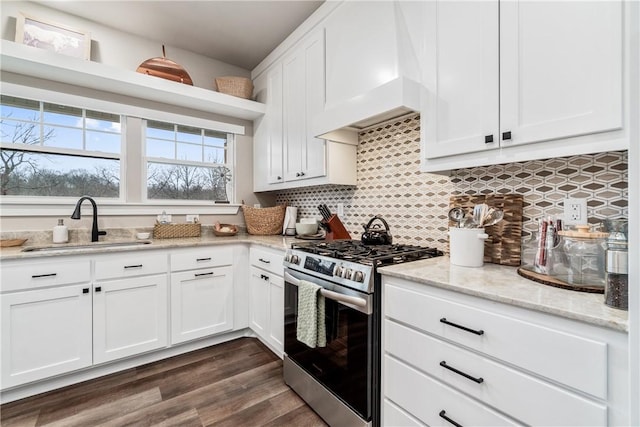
pixel 62 209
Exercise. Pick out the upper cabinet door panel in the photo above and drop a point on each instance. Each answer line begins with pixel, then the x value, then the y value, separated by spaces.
pixel 560 68
pixel 314 157
pixel 463 80
pixel 361 49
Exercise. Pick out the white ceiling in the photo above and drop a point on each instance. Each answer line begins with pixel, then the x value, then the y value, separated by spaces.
pixel 238 32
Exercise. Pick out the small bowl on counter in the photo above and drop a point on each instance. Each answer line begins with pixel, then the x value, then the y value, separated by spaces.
pixel 143 236
pixel 223 230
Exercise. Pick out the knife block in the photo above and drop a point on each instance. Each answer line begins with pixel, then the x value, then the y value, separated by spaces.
pixel 336 229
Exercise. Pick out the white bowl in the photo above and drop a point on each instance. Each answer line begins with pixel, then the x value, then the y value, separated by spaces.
pixel 308 221
pixel 306 228
pixel 143 236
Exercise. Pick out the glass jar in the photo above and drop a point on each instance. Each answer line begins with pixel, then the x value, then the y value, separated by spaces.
pixel 584 252
pixel 616 291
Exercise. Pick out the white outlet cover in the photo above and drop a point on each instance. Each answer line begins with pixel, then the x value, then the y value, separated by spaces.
pixel 575 211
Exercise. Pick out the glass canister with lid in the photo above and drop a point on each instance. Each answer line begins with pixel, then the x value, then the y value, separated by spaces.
pixel 584 251
pixel 616 292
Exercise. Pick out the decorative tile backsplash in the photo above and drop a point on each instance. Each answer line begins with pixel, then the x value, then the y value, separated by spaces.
pixel 415 204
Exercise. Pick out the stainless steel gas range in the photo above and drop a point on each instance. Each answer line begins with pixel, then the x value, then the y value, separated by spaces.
pixel 341 381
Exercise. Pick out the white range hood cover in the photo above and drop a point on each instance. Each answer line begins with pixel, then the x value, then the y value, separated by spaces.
pixel 388 101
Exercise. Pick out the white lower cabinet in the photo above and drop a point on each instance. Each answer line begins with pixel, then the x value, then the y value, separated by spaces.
pixel 452 358
pixel 45 332
pixel 201 303
pixel 129 317
pixel 266 297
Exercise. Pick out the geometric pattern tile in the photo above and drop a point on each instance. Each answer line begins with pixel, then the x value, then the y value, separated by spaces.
pixel 415 204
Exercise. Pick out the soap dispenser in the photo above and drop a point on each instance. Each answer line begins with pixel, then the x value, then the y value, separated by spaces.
pixel 60 232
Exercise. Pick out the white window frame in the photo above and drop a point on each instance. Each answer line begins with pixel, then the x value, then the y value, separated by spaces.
pixel 124 205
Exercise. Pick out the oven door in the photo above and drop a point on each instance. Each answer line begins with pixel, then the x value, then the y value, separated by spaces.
pixel 345 365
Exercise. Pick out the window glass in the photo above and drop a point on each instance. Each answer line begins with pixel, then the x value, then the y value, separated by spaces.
pixel 18 108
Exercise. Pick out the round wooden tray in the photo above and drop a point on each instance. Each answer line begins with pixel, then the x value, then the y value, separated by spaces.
pixel 7 243
pixel 554 281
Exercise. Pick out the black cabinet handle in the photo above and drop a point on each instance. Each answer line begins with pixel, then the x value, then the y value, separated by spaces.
pixel 278 178
pixel 488 139
pixel 98 288
pixel 506 135
pixel 36 276
pixel 204 274
pixel 464 328
pixel 133 266
pixel 301 173
pixel 266 261
pixel 443 414
pixel 263 277
pixel 203 259
pixel 459 372
pixel 85 290
pixel 297 173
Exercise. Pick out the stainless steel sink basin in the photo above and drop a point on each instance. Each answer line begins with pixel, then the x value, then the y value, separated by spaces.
pixel 86 246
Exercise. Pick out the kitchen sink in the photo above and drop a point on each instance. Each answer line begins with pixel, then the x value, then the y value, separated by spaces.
pixel 86 246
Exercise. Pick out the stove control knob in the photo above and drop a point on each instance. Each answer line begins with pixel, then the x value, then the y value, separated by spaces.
pixel 339 271
pixel 348 273
pixel 294 259
pixel 358 276
pixel 287 258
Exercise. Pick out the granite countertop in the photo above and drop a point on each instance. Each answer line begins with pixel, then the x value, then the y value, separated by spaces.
pixel 503 284
pixel 275 242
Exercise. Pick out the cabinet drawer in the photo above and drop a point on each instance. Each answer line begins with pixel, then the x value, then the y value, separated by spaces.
pixel 397 417
pixel 28 275
pixel 268 259
pixel 567 357
pixel 205 257
pixel 130 265
pixel 494 384
pixel 426 398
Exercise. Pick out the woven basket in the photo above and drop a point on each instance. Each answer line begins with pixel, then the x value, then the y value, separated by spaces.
pixel 174 231
pixel 241 87
pixel 264 221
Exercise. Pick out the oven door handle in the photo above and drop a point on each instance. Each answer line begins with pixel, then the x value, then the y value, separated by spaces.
pixel 360 302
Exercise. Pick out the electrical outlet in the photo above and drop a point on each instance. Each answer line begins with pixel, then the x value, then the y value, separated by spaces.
pixel 256 205
pixel 193 218
pixel 575 211
pixel 341 209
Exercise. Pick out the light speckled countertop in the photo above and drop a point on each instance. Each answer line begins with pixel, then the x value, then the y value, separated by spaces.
pixel 275 242
pixel 503 284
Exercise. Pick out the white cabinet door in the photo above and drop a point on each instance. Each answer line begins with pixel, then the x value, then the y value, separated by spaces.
pixel 201 303
pixel 129 317
pixel 303 97
pixel 560 69
pixel 276 312
pixel 275 139
pixel 45 332
pixel 462 78
pixel 259 302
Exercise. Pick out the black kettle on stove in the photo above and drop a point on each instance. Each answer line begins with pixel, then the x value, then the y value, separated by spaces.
pixel 374 234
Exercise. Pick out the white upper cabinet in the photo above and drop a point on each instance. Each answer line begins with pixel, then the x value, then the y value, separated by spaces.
pixel 508 80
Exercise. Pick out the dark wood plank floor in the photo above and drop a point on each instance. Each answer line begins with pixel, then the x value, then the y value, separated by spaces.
pixel 238 383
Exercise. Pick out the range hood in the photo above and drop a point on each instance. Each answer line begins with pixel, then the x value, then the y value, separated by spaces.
pixel 388 101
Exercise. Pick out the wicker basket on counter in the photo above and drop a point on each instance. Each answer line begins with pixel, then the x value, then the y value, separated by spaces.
pixel 241 87
pixel 264 221
pixel 174 231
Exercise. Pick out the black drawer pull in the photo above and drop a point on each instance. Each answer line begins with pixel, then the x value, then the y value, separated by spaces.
pixel 36 276
pixel 98 288
pixel 203 259
pixel 266 261
pixel 204 274
pixel 443 415
pixel 133 266
pixel 85 290
pixel 451 368
pixel 263 277
pixel 488 139
pixel 506 136
pixel 464 328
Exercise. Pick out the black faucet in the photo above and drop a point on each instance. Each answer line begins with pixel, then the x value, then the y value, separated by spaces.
pixel 94 228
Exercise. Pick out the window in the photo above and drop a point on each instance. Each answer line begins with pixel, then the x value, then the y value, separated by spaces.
pixel 187 163
pixel 55 150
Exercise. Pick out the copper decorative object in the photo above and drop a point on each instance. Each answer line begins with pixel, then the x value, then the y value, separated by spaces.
pixel 165 69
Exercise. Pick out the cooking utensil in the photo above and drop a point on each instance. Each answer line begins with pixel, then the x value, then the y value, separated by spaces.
pixel 324 211
pixel 479 212
pixel 493 217
pixel 165 69
pixel 456 215
pixel 374 234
